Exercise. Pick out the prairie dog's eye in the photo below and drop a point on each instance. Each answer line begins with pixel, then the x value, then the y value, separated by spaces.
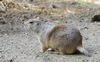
pixel 31 22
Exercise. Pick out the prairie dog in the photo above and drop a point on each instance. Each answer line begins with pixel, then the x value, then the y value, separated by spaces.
pixel 62 37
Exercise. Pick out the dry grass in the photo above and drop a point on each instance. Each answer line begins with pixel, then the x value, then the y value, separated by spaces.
pixel 88 1
pixel 45 1
pixel 42 9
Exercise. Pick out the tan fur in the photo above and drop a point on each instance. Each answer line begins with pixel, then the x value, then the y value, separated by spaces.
pixel 62 37
pixel 53 37
pixel 53 30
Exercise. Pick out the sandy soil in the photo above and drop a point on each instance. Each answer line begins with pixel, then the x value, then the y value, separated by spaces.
pixel 19 45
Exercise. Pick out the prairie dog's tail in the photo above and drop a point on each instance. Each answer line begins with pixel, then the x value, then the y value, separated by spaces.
pixel 83 50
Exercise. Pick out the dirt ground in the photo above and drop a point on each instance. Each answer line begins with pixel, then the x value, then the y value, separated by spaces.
pixel 20 45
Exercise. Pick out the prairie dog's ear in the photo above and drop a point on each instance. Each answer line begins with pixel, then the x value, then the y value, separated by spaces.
pixel 38 19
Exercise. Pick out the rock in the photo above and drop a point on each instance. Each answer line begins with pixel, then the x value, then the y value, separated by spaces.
pixel 54 5
pixel 96 18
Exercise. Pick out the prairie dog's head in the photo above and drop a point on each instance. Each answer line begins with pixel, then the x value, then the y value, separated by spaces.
pixel 32 24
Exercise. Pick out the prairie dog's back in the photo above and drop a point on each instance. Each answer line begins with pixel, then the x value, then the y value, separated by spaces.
pixel 65 35
pixel 64 29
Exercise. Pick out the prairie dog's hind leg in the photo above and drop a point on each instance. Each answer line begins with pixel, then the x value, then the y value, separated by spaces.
pixel 62 51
